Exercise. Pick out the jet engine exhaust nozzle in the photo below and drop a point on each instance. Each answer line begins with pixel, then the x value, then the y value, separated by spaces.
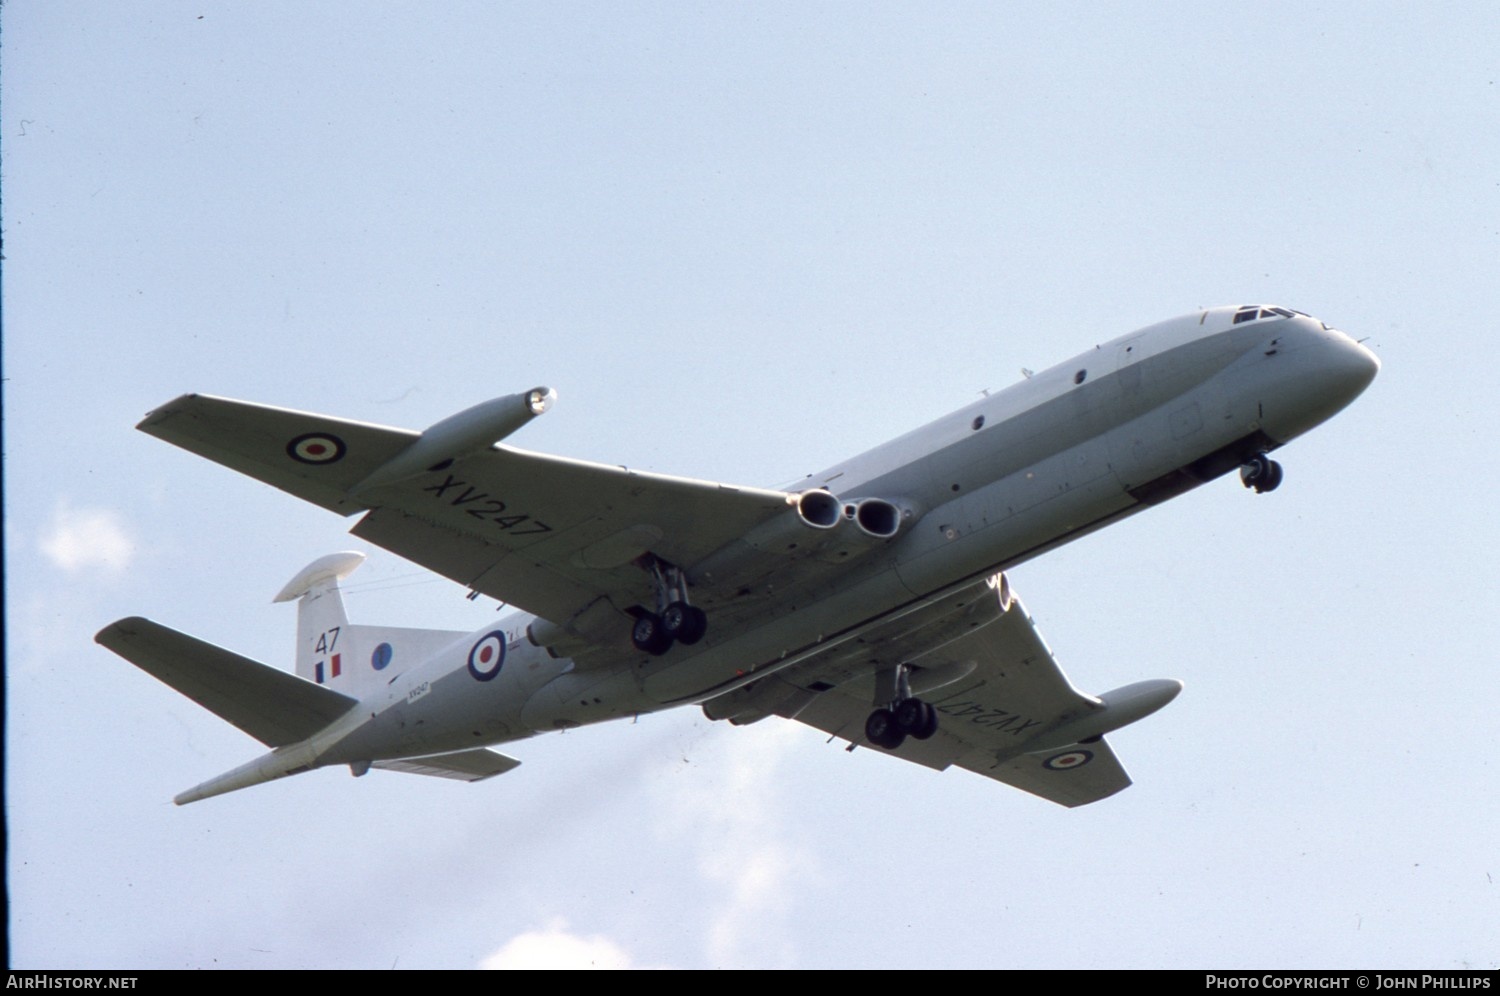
pixel 876 517
pixel 819 509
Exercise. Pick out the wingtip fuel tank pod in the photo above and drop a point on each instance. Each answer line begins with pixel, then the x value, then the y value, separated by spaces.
pixel 461 435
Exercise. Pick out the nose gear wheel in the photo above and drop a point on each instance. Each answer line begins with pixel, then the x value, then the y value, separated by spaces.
pixel 1261 474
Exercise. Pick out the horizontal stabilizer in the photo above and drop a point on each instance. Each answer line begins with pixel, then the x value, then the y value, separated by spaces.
pixel 465 765
pixel 268 767
pixel 272 706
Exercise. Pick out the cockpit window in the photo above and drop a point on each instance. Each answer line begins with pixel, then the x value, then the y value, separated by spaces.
pixel 1250 312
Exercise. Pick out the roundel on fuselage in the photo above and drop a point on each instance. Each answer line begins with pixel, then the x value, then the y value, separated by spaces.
pixel 486 656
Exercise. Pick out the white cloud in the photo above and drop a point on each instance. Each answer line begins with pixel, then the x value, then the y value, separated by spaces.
pixel 744 848
pixel 555 947
pixel 83 539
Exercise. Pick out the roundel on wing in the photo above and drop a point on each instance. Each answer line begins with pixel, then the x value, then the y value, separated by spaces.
pixel 487 655
pixel 316 447
pixel 1068 759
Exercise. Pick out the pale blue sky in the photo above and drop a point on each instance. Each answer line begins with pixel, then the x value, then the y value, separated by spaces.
pixel 744 242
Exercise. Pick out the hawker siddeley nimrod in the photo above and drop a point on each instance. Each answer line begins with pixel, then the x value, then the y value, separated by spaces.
pixel 868 601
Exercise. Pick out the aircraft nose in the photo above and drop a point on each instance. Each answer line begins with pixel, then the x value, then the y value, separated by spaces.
pixel 1350 367
pixel 1327 370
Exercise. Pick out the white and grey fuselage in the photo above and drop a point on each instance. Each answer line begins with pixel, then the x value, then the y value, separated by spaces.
pixel 1128 424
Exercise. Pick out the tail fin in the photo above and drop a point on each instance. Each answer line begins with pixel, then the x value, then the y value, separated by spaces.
pixel 344 657
pixel 321 620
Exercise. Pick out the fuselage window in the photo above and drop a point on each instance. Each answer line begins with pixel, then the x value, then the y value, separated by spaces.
pixel 978 422
pixel 1079 376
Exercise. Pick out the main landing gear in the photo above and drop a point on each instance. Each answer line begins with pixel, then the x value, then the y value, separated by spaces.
pixel 675 621
pixel 1261 473
pixel 906 716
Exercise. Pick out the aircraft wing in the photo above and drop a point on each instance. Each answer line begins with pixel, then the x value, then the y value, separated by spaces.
pixel 993 680
pixel 547 534
pixel 1072 776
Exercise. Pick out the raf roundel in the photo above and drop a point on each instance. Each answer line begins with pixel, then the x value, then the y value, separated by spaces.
pixel 487 656
pixel 1070 759
pixel 316 447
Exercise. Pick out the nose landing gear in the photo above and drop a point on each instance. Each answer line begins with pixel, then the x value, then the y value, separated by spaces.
pixel 1261 474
